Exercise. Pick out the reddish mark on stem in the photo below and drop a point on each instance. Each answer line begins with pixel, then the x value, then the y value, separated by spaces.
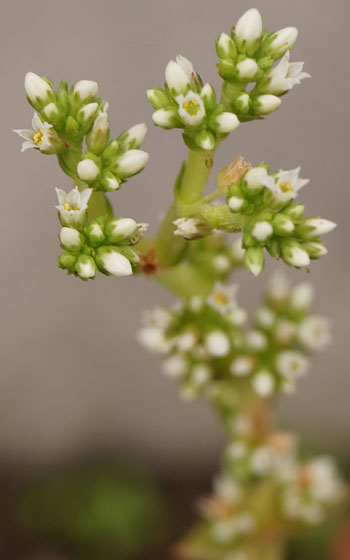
pixel 66 145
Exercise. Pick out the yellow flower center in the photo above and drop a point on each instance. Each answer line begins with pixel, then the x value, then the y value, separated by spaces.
pixel 68 207
pixel 192 107
pixel 286 188
pixel 295 365
pixel 39 137
pixel 221 299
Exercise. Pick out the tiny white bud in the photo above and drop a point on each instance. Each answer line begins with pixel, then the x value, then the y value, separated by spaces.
pixel 175 366
pixel 87 170
pixel 320 227
pixel 153 339
pixel 51 111
pixel 166 118
pixel 217 344
pixel 253 178
pixel 295 256
pixel 235 203
pixel 265 317
pixel 37 89
pixel 262 231
pixel 226 122
pixel 85 89
pixel 267 103
pixel 242 366
pixel 136 134
pixel 225 46
pixel 132 162
pixel 122 229
pixel 247 69
pixel 248 29
pixel 85 267
pixel 263 384
pixel 302 295
pixel 200 374
pixel 256 340
pixel 283 40
pixel 221 263
pixel 177 79
pixel 71 238
pixel 87 111
pixel 115 263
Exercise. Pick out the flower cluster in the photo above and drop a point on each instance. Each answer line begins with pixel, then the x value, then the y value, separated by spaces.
pixel 208 349
pixel 253 85
pixel 273 222
pixel 91 238
pixel 188 104
pixel 103 244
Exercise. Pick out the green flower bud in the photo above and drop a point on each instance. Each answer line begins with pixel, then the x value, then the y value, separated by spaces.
pixel 71 239
pixel 205 140
pixel 110 182
pixel 97 138
pixel 277 44
pixel 67 261
pixel 95 233
pixel 71 125
pixel 209 97
pixel 225 47
pixel 110 153
pixel 314 227
pixel 226 68
pixel 254 260
pixel 133 137
pixel 248 31
pixel 120 229
pixel 295 255
pixel 265 104
pixel 242 103
pixel 295 211
pixel 282 225
pixel 51 112
pixel 158 98
pixel 85 267
pixel 315 249
pixel 87 113
pixel 111 262
pixel 39 91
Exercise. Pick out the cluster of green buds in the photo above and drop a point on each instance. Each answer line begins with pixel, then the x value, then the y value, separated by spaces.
pixel 188 104
pixel 253 84
pixel 209 349
pixel 93 240
pixel 273 222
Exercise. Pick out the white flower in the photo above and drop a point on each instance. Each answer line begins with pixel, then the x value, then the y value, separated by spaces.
pixel 261 461
pixel 153 339
pixel 247 69
pixel 325 484
pixel 187 66
pixel 262 231
pixel 285 185
pixel 217 344
pixel 248 29
pixel 292 363
pixel 285 76
pixel 223 298
pixel 226 122
pixel 190 228
pixel 177 77
pixel 256 340
pixel 37 89
pixel 142 227
pixel 175 366
pixel 227 489
pixel 87 170
pixel 267 103
pixel 253 178
pixel 278 289
pixel 166 118
pixel 242 366
pixel 85 89
pixel 302 295
pixel 186 341
pixel 40 137
pixel 200 374
pixel 132 162
pixel 191 108
pixel 113 262
pixel 285 331
pixel 157 317
pixel 314 332
pixel 265 318
pixel 263 383
pixel 71 238
pixel 72 205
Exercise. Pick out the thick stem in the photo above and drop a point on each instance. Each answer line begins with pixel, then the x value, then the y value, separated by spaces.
pixel 185 281
pixel 169 248
pixel 198 166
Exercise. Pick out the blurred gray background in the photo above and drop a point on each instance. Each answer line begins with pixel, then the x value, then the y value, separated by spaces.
pixel 73 380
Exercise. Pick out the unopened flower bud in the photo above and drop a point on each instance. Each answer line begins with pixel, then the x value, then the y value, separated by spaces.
pixel 85 89
pixel 235 203
pixel 282 225
pixel 242 103
pixel 134 136
pixel 88 170
pixel 294 255
pixel 252 179
pixel 110 182
pixel 302 295
pixel 120 229
pixel 247 69
pixel 280 42
pixel 315 249
pixel 248 31
pixel 262 231
pixel 95 233
pixel 266 104
pixel 176 78
pixel 191 228
pixel 295 211
pixel 254 260
pixel 314 227
pixel 85 267
pixel 225 123
pixel 38 91
pixel 263 383
pixel 225 47
pixel 87 112
pixel 110 261
pixel 131 162
pixel 158 98
pixel 166 118
pixel 205 140
pixel 71 238
pixel 217 344
pixel 51 112
pixel 97 138
pixel 209 97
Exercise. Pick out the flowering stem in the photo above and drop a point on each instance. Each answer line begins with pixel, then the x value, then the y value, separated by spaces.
pixel 198 166
pixel 169 248
pixel 185 281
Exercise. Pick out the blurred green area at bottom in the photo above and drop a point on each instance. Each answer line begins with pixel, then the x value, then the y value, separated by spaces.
pixel 103 514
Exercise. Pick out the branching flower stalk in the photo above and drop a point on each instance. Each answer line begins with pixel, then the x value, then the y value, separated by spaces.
pixel 265 493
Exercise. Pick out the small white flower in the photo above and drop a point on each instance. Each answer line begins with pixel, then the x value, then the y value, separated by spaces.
pixel 325 483
pixel 191 108
pixel 256 340
pixel 39 137
pixel 278 289
pixel 132 162
pixel 175 366
pixel 314 332
pixel 87 170
pixel 262 231
pixel 267 103
pixel 157 317
pixel 247 69
pixel 248 29
pixel 302 295
pixel 166 118
pixel 223 298
pixel 114 263
pixel 71 238
pixel 265 318
pixel 72 205
pixel 85 89
pixel 37 89
pixel 200 374
pixel 237 317
pixel 253 178
pixel 263 383
pixel 227 489
pixel 285 76
pixel 285 331
pixel 190 228
pixel 285 185
pixel 292 363
pixel 242 366
pixel 186 341
pixel 177 77
pixel 226 122
pixel 261 461
pixel 217 344
pixel 86 267
pixel 153 339
pixel 142 227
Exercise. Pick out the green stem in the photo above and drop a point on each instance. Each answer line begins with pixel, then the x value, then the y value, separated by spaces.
pixel 169 248
pixel 185 281
pixel 198 166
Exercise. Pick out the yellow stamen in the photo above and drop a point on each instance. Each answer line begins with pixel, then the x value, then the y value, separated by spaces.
pixel 192 107
pixel 221 299
pixel 286 187
pixel 67 206
pixel 38 137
